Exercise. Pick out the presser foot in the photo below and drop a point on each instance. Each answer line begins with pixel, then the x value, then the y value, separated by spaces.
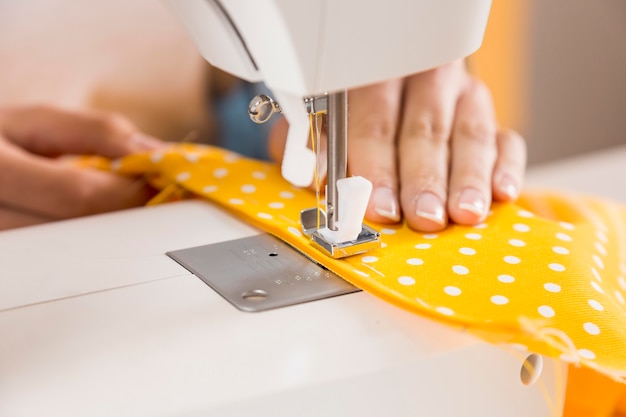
pixel 314 219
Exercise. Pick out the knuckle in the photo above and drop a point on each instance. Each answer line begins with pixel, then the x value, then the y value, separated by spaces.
pixel 378 127
pixel 477 131
pixel 434 129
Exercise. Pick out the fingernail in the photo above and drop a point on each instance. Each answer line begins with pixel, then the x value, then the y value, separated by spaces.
pixel 508 187
pixel 142 142
pixel 473 201
pixel 385 204
pixel 430 207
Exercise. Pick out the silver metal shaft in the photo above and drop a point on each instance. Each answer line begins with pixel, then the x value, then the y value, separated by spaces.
pixel 337 152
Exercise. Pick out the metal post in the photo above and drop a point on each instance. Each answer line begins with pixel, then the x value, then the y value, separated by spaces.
pixel 337 152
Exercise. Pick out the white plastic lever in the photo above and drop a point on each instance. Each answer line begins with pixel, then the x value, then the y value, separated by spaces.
pixel 298 166
pixel 353 194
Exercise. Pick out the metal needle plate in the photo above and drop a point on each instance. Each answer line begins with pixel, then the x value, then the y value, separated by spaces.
pixel 260 273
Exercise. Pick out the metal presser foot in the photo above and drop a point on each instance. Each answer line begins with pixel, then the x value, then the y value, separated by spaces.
pixel 366 240
pixel 338 231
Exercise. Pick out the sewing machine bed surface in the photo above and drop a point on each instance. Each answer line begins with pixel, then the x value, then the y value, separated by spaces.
pixel 96 320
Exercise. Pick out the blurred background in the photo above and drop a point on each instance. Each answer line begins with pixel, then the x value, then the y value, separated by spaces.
pixel 557 68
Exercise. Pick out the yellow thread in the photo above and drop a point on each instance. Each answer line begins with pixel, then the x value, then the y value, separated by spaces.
pixel 313 119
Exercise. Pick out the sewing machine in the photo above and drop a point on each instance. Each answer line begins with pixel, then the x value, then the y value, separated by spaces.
pixel 309 53
pixel 95 319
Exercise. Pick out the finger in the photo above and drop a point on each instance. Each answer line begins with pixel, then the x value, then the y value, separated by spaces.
pixel 52 189
pixel 474 152
pixel 373 123
pixel 51 131
pixel 430 100
pixel 11 218
pixel 508 174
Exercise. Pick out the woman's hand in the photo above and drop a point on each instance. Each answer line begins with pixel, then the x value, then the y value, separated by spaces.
pixel 431 146
pixel 35 186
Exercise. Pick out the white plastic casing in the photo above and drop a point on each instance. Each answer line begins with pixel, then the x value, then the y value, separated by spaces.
pixel 304 48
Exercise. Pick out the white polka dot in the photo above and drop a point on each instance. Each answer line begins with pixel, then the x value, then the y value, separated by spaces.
pixel 192 156
pixel 517 243
pixel 369 259
pixel 183 176
pixel 598 261
pixel 587 354
pixel 467 251
pixel 560 250
pixel 597 287
pixel 452 290
pixel 480 226
pixel 460 269
pixel 473 236
pixel 386 231
pixel 156 157
pixel 521 227
pixel 601 249
pixel 546 311
pixel 286 195
pixel 406 280
pixel 591 328
pixel 513 260
pixel 622 282
pixel 445 311
pixel 220 173
pixel 601 236
pixel 430 236
pixel 276 205
pixel 231 157
pixel 525 213
pixel 564 237
pixel 552 287
pixel 596 274
pixel 383 244
pixel 259 175
pixel 556 267
pixel 294 231
pixel 507 279
pixel 566 225
pixel 414 261
pixel 596 305
pixel 619 296
pixel 209 189
pixel 248 188
pixel 265 216
pixel 422 246
pixel 236 201
pixel 499 300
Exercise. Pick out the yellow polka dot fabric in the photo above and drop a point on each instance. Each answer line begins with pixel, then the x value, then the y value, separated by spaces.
pixel 546 274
